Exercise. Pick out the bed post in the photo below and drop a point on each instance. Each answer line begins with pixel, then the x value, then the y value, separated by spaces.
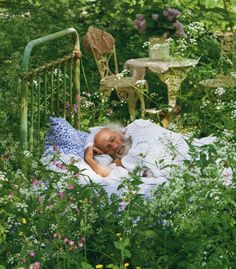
pixel 76 82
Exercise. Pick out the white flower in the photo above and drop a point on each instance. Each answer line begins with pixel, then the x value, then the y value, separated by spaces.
pixel 140 82
pixel 227 174
pixel 220 91
pixel 84 13
pixel 146 44
pixel 119 75
pixel 233 113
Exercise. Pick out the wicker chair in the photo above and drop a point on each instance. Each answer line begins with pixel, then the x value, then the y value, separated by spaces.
pixel 102 46
pixel 227 53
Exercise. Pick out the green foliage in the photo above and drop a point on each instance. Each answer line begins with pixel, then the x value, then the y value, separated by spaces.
pixel 55 222
pixel 45 218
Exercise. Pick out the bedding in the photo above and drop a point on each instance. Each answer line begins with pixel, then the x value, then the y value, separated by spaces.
pixel 109 183
pixel 65 138
pixel 69 144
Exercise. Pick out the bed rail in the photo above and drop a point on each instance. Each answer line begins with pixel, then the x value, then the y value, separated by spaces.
pixel 52 89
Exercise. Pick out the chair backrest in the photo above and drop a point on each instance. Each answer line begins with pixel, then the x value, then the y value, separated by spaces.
pixel 228 47
pixel 102 46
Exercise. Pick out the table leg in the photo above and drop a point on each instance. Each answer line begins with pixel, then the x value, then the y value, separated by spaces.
pixel 173 79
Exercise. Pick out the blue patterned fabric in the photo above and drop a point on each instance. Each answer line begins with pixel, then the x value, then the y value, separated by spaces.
pixel 65 138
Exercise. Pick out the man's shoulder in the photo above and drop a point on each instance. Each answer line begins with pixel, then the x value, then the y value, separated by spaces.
pixel 140 123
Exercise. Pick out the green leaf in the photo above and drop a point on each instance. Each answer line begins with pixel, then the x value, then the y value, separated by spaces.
pixel 150 234
pixel 85 265
pixel 126 253
pixel 126 242
pixel 118 245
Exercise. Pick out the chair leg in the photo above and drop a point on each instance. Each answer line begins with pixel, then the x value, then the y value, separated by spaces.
pixel 105 92
pixel 130 96
pixel 132 105
pixel 142 104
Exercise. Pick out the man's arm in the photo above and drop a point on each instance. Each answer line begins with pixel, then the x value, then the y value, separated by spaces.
pixel 89 158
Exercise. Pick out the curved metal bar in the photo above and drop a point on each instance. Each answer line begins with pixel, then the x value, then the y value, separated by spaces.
pixel 25 69
pixel 41 40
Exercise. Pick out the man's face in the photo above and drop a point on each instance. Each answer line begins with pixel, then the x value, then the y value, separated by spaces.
pixel 110 142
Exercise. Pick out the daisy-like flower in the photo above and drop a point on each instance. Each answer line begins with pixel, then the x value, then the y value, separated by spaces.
pixel 220 91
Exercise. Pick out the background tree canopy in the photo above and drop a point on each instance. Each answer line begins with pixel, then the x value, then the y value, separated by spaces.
pixel 25 20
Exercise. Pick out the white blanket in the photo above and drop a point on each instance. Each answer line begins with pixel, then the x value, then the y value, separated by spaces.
pixel 109 183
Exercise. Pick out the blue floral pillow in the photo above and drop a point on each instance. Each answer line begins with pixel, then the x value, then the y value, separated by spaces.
pixel 65 138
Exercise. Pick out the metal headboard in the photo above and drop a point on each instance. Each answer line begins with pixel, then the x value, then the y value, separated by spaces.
pixel 52 89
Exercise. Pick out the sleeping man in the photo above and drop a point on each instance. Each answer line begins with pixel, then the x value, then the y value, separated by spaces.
pixel 155 150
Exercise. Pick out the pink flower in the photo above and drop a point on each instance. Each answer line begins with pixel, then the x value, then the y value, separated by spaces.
pixel 71 243
pixel 75 108
pixel 32 254
pixel 41 199
pixel 57 235
pixel 36 182
pixel 24 260
pixel 11 194
pixel 35 265
pixel 50 205
pixel 66 240
pixel 61 194
pixel 60 165
pixel 171 13
pixel 179 29
pixel 81 242
pixel 140 23
pixel 71 187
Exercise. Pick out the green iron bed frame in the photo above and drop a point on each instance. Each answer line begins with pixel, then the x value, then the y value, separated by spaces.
pixel 52 89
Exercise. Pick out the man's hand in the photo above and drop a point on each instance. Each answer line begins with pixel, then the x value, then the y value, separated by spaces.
pixel 117 162
pixel 90 152
pixel 89 158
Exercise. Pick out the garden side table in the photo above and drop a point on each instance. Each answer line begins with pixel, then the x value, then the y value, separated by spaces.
pixel 172 72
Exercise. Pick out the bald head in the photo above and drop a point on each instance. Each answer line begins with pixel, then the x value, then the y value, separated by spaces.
pixel 109 141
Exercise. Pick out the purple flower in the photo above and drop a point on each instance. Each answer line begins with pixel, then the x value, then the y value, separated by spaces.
pixel 155 17
pixel 140 23
pixel 179 29
pixel 171 13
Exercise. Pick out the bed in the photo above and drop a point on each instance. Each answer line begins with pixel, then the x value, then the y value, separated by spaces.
pixel 53 90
